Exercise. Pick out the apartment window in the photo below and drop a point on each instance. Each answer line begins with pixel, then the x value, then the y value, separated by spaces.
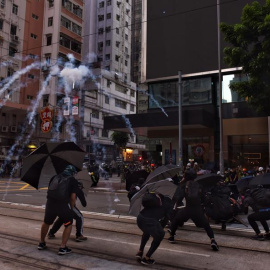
pixel 51 3
pixel 126 36
pixel 105 133
pixel 30 76
pixel 100 46
pixel 50 21
pixel 76 29
pixel 49 40
pixel 12 51
pixel 109 16
pixel 108 29
pixel 48 59
pixel 95 114
pixel 117 17
pixel 117 30
pixel 65 22
pixel 15 9
pixel 132 107
pixel 100 18
pixel 101 4
pixel 108 43
pixel 126 63
pixel 108 83
pixel 132 93
pixel 76 47
pixel 107 68
pixel 117 43
pixel 100 31
pixel 34 16
pixel 67 4
pixel 45 100
pixel 13 29
pixel 109 2
pixel 10 72
pixel 107 100
pixel 107 57
pixel 126 50
pixel 1 24
pixel 34 36
pixel 77 10
pixel 126 24
pixel 117 58
pixel 64 41
pixel 3 3
pixel 120 104
pixel 29 97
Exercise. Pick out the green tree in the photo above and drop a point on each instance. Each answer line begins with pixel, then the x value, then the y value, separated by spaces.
pixel 120 139
pixel 250 49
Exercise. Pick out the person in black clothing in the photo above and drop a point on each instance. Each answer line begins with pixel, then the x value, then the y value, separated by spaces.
pixel 77 215
pixel 63 210
pixel 260 213
pixel 193 211
pixel 151 221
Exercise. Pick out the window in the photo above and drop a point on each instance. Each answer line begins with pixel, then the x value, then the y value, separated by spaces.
pixel 109 2
pixel 10 72
pixel 107 57
pixel 30 76
pixel 107 100
pixel 76 29
pixel 108 29
pixel 117 58
pixel 48 59
pixel 109 16
pixel 45 99
pixel 51 3
pixel 76 47
pixel 120 104
pixel 100 31
pixel 108 43
pixel 101 4
pixel 126 36
pixel 132 93
pixel 117 30
pixel 105 133
pixel 126 24
pixel 12 51
pixel 34 36
pixel 49 40
pixel 3 3
pixel 29 97
pixel 132 107
pixel 15 9
pixel 117 43
pixel 66 22
pixel 77 10
pixel 95 114
pixel 100 46
pixel 108 83
pixel 64 41
pixel 126 63
pixel 117 17
pixel 34 16
pixel 100 18
pixel 50 21
pixel 1 24
pixel 13 29
pixel 107 68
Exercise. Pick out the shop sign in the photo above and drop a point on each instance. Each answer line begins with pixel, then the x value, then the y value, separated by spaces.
pixel 46 117
pixel 199 150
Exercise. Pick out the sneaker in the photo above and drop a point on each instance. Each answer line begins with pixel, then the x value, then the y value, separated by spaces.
pixel 63 251
pixel 81 238
pixel 139 255
pixel 258 237
pixel 42 246
pixel 147 262
pixel 171 239
pixel 214 245
pixel 51 236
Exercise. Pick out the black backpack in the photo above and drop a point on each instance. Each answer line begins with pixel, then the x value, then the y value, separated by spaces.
pixel 193 192
pixel 59 188
pixel 151 199
pixel 261 196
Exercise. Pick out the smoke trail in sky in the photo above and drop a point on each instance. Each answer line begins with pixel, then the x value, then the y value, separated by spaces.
pixel 17 74
pixel 128 124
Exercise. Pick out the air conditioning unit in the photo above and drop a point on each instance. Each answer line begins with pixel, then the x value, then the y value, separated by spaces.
pixel 4 128
pixel 13 128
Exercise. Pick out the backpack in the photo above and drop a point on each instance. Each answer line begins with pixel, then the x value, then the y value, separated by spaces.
pixel 261 196
pixel 151 199
pixel 59 188
pixel 193 192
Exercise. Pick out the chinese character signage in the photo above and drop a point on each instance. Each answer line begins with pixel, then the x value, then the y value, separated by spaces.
pixel 75 105
pixel 46 117
pixel 66 106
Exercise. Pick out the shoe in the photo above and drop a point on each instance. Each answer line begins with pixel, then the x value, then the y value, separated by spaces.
pixel 42 246
pixel 63 251
pixel 214 245
pixel 51 236
pixel 147 262
pixel 81 238
pixel 139 255
pixel 171 239
pixel 258 237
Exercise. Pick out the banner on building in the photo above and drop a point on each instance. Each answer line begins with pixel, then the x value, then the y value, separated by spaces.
pixel 46 116
pixel 66 106
pixel 75 105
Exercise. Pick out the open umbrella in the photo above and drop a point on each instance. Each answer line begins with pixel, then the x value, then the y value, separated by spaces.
pixel 162 172
pixel 243 183
pixel 84 177
pixel 48 160
pixel 209 179
pixel 262 179
pixel 164 187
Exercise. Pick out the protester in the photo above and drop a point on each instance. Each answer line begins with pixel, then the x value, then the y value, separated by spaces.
pixel 193 211
pixel 149 222
pixel 60 206
pixel 78 216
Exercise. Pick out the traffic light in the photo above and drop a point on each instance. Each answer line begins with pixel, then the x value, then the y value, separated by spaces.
pixel 140 158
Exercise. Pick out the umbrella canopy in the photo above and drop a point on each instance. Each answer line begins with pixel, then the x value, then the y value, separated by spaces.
pixel 243 183
pixel 134 177
pixel 50 159
pixel 262 179
pixel 210 179
pixel 84 177
pixel 162 172
pixel 164 187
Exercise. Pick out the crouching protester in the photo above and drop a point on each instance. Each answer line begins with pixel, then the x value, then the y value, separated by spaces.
pixel 151 220
pixel 61 198
pixel 259 200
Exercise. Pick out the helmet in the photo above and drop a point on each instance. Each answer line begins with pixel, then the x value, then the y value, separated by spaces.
pixel 260 169
pixel 70 170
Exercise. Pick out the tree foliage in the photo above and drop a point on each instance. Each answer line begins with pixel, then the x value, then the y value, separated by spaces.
pixel 120 139
pixel 250 49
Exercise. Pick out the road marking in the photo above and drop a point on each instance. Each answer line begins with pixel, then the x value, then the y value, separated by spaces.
pixel 165 249
pixel 23 195
pixel 25 186
pixel 123 204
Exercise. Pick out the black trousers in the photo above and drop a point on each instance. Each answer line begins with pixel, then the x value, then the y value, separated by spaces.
pixel 77 215
pixel 259 216
pixel 196 214
pixel 150 227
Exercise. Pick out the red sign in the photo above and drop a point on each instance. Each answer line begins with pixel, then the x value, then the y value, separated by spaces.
pixel 46 116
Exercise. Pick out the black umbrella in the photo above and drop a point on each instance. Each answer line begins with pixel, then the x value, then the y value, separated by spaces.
pixel 262 179
pixel 162 172
pixel 210 179
pixel 243 183
pixel 136 177
pixel 50 159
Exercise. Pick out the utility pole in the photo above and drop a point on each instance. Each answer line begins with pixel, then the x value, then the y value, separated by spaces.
pixel 180 160
pixel 221 157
